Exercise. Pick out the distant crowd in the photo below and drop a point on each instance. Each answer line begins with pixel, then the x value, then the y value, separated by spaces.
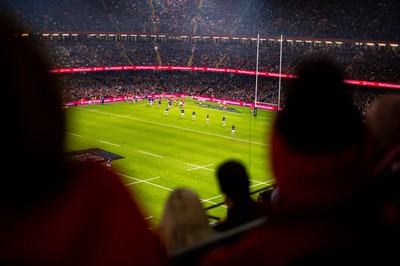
pixel 95 85
pixel 359 62
pixel 347 20
pixel 374 20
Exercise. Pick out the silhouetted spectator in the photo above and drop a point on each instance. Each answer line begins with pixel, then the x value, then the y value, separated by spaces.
pixel 52 211
pixel 234 183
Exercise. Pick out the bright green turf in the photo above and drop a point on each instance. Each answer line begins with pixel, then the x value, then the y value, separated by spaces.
pixel 166 152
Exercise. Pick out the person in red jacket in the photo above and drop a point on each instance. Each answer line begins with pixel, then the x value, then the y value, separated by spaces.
pixel 52 211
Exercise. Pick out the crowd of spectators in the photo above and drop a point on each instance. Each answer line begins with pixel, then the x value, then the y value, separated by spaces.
pixel 91 85
pixel 376 64
pixel 242 18
pixel 353 20
pixel 360 63
pixel 367 20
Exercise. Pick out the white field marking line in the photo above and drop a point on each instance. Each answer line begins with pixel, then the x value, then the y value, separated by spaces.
pixel 123 116
pixel 209 200
pixel 149 217
pixel 150 183
pixel 76 135
pixel 151 154
pixel 144 181
pixel 262 183
pixel 255 181
pixel 141 181
pixel 182 128
pixel 219 196
pixel 109 143
pixel 200 167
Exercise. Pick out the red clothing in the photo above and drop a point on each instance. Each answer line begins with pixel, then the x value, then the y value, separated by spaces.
pixel 94 221
pixel 289 237
pixel 324 203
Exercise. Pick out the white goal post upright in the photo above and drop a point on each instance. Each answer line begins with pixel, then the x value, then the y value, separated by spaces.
pixel 280 74
pixel 258 50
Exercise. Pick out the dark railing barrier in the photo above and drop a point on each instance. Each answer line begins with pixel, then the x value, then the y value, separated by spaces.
pixel 270 187
pixel 191 255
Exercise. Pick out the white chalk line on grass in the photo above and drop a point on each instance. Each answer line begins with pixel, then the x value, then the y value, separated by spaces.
pixel 259 183
pixel 123 116
pixel 142 181
pixel 212 202
pixel 209 200
pixel 146 181
pixel 76 135
pixel 200 167
pixel 109 143
pixel 181 128
pixel 151 154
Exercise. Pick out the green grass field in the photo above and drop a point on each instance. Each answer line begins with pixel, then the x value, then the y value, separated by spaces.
pixel 162 153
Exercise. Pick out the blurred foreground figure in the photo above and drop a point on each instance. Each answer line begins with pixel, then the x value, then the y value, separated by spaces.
pixel 325 212
pixel 53 212
pixel 383 121
pixel 184 221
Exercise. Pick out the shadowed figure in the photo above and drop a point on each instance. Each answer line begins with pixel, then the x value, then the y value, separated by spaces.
pixel 234 183
pixel 52 211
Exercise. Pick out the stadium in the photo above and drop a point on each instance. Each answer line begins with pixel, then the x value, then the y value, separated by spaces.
pixel 119 64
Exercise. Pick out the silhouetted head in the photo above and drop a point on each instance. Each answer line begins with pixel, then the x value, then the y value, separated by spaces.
pixel 233 180
pixel 318 143
pixel 319 114
pixel 33 121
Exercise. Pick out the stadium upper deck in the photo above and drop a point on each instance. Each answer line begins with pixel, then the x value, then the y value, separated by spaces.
pixel 371 20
